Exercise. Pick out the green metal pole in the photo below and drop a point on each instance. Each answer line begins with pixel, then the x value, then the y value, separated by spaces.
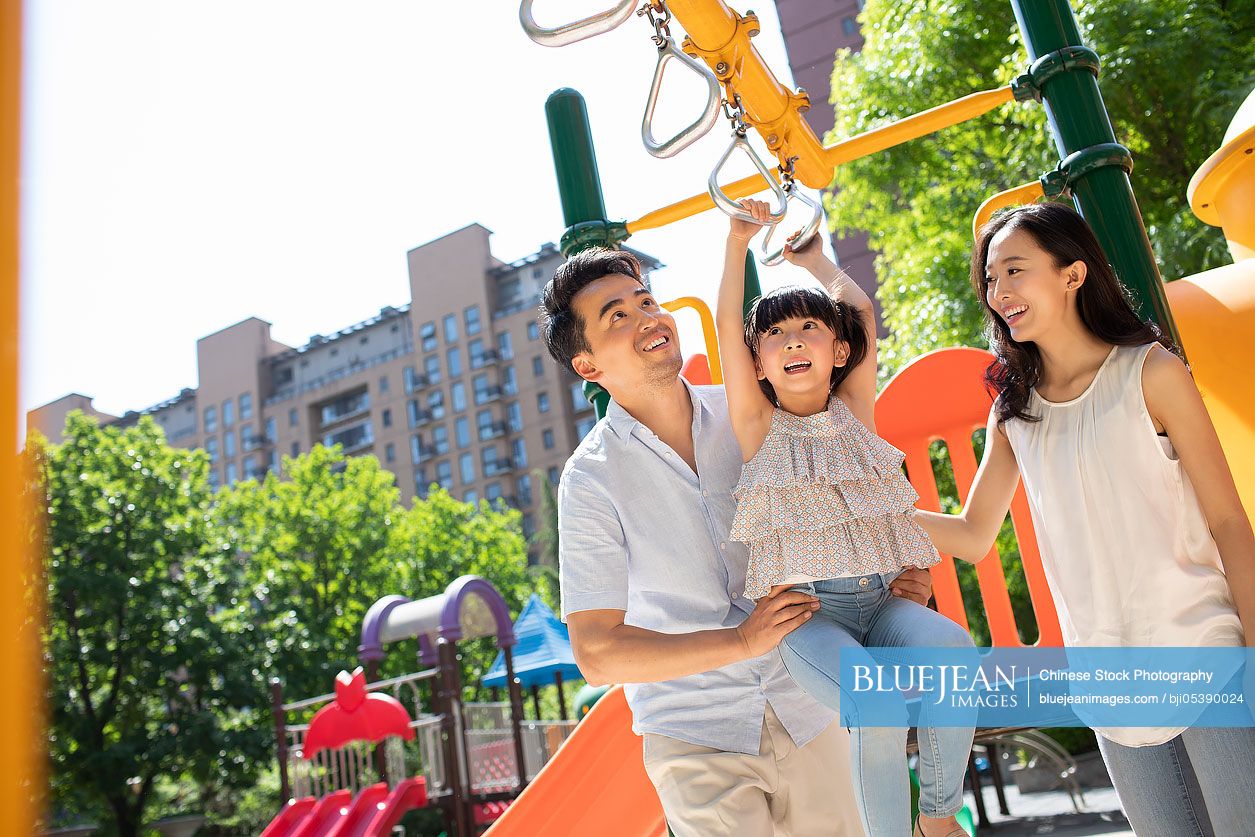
pixel 579 187
pixel 1102 192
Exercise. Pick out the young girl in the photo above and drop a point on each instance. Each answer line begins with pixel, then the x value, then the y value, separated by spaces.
pixel 823 505
pixel 1142 534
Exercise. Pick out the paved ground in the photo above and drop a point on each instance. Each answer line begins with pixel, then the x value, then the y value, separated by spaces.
pixel 1051 813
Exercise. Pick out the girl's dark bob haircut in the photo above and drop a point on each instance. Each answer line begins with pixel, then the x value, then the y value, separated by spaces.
pixel 808 304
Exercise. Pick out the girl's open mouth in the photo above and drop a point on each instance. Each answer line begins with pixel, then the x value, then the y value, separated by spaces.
pixel 796 367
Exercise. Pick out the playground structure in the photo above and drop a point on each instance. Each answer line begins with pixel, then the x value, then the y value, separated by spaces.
pixel 465 754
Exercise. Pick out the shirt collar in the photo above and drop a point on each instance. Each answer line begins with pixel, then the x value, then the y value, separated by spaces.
pixel 624 423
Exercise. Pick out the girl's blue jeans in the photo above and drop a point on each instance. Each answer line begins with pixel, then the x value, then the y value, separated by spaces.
pixel 1199 784
pixel 858 613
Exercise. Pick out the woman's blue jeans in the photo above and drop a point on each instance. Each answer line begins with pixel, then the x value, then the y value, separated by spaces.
pixel 858 613
pixel 1199 784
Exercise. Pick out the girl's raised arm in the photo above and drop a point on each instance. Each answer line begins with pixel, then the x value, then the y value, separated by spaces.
pixel 748 407
pixel 970 533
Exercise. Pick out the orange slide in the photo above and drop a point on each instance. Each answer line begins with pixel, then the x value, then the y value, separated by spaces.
pixel 595 784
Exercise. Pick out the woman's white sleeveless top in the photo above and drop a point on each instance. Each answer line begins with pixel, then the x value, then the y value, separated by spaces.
pixel 1125 547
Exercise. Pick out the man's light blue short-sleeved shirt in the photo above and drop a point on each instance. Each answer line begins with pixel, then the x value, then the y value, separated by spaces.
pixel 641 533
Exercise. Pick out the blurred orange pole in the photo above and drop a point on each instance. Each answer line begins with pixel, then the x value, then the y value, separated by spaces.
pixel 21 780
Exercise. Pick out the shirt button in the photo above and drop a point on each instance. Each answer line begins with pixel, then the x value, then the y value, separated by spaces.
pixel 705 493
pixel 723 547
pixel 863 582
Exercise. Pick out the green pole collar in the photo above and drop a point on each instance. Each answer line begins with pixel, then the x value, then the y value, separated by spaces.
pixel 587 234
pixel 1080 163
pixel 1028 87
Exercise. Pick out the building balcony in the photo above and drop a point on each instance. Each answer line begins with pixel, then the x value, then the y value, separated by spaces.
pixel 488 395
pixel 492 431
pixel 497 467
pixel 486 357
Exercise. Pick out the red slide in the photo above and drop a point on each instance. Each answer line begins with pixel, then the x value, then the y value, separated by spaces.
pixel 596 784
pixel 372 813
pixel 292 815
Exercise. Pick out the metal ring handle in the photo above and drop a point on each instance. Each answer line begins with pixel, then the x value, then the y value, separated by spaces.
pixel 697 129
pixel 731 208
pixel 804 236
pixel 578 30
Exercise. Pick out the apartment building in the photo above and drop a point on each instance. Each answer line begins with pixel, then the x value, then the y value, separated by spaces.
pixel 454 388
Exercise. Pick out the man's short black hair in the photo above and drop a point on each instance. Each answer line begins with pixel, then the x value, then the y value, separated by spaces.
pixel 561 327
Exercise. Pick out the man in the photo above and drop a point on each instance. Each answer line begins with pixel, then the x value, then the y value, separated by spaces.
pixel 652 587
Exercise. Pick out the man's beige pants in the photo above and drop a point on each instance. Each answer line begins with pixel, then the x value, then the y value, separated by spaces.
pixel 784 790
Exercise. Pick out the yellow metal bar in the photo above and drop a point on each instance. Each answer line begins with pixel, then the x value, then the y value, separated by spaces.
pixel 863 145
pixel 919 125
pixel 1020 195
pixel 696 205
pixel 708 331
pixel 721 37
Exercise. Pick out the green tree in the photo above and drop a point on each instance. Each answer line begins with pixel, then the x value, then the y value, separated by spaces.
pixel 143 671
pixel 545 570
pixel 1174 72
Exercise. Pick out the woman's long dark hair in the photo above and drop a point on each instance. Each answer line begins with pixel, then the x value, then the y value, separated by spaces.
pixel 1104 303
pixel 807 303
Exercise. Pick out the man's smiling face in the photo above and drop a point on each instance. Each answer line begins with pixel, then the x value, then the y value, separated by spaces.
pixel 632 338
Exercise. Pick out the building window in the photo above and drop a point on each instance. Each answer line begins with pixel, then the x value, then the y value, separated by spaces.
pixel 272 461
pixel 444 474
pixel 230 473
pixel 435 403
pixel 472 320
pixel 542 402
pixel 475 350
pixel 383 383
pixel 211 448
pixel 228 444
pixel 519 449
pixel 272 431
pixel 247 440
pixel 466 468
pixel 417 452
pixel 427 334
pixel 458 391
pixel 296 449
pixel 492 492
pixel 411 379
pixel 533 331
pixel 421 484
pixel 849 26
pixel 584 426
pixel 483 393
pixel 523 488
pixel 246 406
pixel 345 406
pixel 414 414
pixel 529 525
pixel 211 419
pixel 505 346
pixel 462 431
pixel 293 417
pixel 488 457
pixel 472 497
pixel 538 367
pixel 554 475
pixel 228 413
pixel 351 438
pixel 390 452
pixel 579 401
pixel 250 464
pixel 450 328
pixel 387 418
pixel 509 381
pixel 214 481
pixel 488 429
pixel 431 368
pixel 440 439
pixel 514 417
pixel 455 362
pixel 547 439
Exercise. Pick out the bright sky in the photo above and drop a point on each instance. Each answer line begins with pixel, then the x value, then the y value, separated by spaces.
pixel 190 164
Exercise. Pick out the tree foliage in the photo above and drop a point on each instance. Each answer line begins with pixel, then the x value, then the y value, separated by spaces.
pixel 1173 74
pixel 143 672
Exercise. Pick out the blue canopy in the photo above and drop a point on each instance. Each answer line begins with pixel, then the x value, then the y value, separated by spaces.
pixel 543 649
